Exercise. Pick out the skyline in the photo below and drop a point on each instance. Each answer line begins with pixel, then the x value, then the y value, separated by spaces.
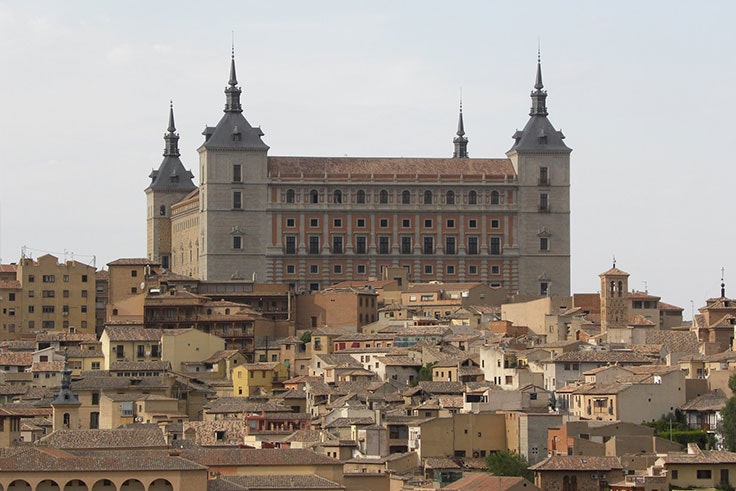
pixel 86 102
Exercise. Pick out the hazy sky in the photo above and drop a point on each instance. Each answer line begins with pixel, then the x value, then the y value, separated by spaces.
pixel 643 92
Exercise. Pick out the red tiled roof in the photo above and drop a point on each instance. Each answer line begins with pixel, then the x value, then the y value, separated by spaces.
pixel 256 457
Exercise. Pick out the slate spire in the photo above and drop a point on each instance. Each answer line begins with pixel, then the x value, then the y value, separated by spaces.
pixel 232 91
pixel 539 95
pixel 460 141
pixel 171 137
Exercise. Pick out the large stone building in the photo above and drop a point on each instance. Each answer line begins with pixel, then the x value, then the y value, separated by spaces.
pixel 313 222
pixel 46 295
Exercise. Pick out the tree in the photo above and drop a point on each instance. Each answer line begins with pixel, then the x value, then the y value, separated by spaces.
pixel 425 373
pixel 306 337
pixel 727 425
pixel 508 463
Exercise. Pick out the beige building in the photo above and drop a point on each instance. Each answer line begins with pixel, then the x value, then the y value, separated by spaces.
pixel 698 468
pixel 313 222
pixel 440 300
pixel 348 308
pixel 462 435
pixel 47 295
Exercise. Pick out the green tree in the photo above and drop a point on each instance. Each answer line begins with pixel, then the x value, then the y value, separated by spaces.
pixel 306 337
pixel 727 426
pixel 425 373
pixel 508 463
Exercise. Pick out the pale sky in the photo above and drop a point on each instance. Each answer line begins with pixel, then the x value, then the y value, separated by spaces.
pixel 643 92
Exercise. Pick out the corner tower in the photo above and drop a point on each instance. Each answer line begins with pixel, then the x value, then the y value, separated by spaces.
pixel 234 227
pixel 542 163
pixel 169 184
pixel 65 407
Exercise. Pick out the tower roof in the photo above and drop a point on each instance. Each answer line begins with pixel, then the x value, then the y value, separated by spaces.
pixel 539 134
pixel 233 131
pixel 460 141
pixel 66 397
pixel 614 272
pixel 171 175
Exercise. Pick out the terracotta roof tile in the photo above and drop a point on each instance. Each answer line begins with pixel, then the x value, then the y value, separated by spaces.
pixel 577 463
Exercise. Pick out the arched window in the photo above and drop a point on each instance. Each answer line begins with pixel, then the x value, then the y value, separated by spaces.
pixel 620 287
pixel 383 197
pixel 427 197
pixel 313 196
pixel 337 196
pixel 450 198
pixel 472 198
pixel 405 197
pixel 290 196
pixel 495 198
pixel 360 197
pixel 66 420
pixel 162 210
pixel 613 287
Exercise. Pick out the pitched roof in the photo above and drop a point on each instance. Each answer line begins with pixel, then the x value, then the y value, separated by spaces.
pixel 253 457
pixel 577 463
pixel 484 481
pixel 409 167
pixel 269 482
pixel 597 356
pixel 133 333
pixel 105 439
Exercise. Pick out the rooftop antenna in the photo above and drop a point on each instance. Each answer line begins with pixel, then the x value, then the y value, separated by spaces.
pixel 723 282
pixel 614 260
pixel 646 288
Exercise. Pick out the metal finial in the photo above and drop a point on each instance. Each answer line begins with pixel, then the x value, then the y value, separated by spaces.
pixel 614 260
pixel 232 42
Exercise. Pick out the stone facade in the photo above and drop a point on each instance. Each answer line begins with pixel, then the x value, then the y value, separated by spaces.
pixel 313 222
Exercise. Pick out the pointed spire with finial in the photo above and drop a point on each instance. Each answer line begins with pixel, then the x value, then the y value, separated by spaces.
pixel 461 142
pixel 539 95
pixel 171 137
pixel 232 91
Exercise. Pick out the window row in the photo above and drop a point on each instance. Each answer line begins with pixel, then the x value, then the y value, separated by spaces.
pixel 406 197
pixel 50 278
pixel 385 223
pixel 361 269
pixel 52 293
pixel 406 244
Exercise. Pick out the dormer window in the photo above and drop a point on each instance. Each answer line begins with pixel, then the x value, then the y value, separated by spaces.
pixel 236 134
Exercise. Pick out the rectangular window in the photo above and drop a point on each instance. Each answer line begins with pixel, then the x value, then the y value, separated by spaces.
pixel 406 223
pixel 360 223
pixel 237 200
pixel 31 278
pixel 337 269
pixel 450 245
pixel 427 269
pixel 472 269
pixel 48 278
pixel 237 173
pixel 314 222
pixel 314 244
pixel 48 294
pixel 383 244
pixel 290 222
pixel 337 223
pixel 704 474
pixel 47 309
pixel 290 244
pixel 95 365
pixel 313 269
pixel 66 278
pixel 31 309
pixel 337 244
pixel 31 294
pixel 543 202
pixel 473 223
pixel 496 269
pixel 450 223
pixel 472 244
pixel 237 242
pixel 428 223
pixel 543 288
pixel 361 244
pixel 84 309
pixel 290 269
pixel 47 324
pixel 65 309
pixel 495 223
pixel 543 176
pixel 383 223
pixel 450 269
pixel 361 268
pixel 84 293
pixel 84 278
pixel 141 351
pixel 428 245
pixel 543 244
pixel 495 244
pixel 406 244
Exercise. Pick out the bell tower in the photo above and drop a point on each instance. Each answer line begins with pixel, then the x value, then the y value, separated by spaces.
pixel 614 299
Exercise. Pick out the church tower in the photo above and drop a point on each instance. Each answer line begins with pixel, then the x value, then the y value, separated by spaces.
pixel 460 141
pixel 65 407
pixel 614 299
pixel 169 184
pixel 542 239
pixel 234 226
